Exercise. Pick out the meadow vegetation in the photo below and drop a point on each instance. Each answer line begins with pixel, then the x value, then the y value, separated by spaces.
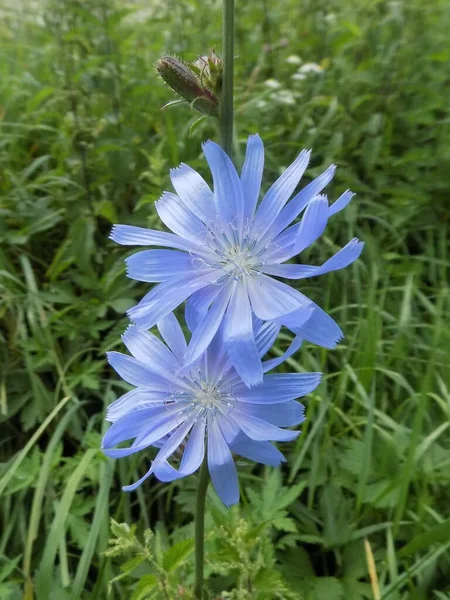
pixel 84 144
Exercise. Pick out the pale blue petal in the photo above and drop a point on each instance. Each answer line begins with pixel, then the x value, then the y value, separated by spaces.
pixel 166 296
pixel 207 327
pixel 218 364
pixel 148 349
pixel 174 440
pixel 136 484
pixel 284 414
pixel 137 373
pixel 270 364
pixel 340 203
pixel 134 400
pixel 177 217
pixel 130 426
pixel 312 224
pixel 340 260
pixel 240 339
pixel 129 235
pixel 221 466
pixel 260 430
pixel 157 426
pixel 279 387
pixel 265 335
pixel 319 329
pixel 300 201
pixel 272 299
pixel 261 452
pixel 252 174
pixel 228 193
pixel 198 305
pixel 194 192
pixel 158 265
pixel 279 193
pixel 146 425
pixel 193 456
pixel 172 334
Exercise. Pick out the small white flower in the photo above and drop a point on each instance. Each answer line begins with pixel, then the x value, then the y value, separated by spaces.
pixel 272 84
pixel 285 97
pixel 310 68
pixel 298 76
pixel 293 59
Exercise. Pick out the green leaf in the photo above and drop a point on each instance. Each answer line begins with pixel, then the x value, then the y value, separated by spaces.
pixel 177 554
pixel 437 534
pixel 146 584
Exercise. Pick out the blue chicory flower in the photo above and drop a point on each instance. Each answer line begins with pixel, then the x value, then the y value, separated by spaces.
pixel 226 248
pixel 205 401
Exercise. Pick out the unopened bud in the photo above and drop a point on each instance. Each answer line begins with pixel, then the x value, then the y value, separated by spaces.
pixel 210 70
pixel 182 79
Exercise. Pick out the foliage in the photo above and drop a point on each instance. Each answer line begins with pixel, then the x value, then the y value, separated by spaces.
pixel 83 145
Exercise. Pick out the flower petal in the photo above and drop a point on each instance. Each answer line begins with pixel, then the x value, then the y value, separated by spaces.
pixel 340 260
pixel 158 265
pixel 340 203
pixel 134 400
pixel 265 337
pixel 298 202
pixel 146 425
pixel 279 193
pixel 260 430
pixel 136 484
pixel 319 329
pixel 148 349
pixel 279 387
pixel 194 192
pixel 166 296
pixel 198 304
pixel 207 327
pixel 251 175
pixel 137 373
pixel 177 217
pixel 284 414
pixel 129 235
pixel 192 456
pixel 272 299
pixel 270 364
pixel 221 465
pixel 228 193
pixel 240 339
pixel 261 452
pixel 313 223
pixel 173 335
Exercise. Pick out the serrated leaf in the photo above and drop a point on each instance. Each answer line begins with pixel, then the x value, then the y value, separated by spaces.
pixel 328 588
pixel 146 584
pixel 177 554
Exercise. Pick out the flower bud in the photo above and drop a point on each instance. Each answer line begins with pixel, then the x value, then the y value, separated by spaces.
pixel 182 79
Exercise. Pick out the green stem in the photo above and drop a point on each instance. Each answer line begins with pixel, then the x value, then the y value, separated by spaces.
pixel 226 102
pixel 200 530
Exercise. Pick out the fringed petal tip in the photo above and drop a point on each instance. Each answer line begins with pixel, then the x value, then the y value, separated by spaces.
pixel 113 234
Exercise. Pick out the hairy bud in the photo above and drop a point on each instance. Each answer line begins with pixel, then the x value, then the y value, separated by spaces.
pixel 186 83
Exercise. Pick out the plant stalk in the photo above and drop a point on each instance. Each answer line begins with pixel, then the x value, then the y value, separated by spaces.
pixel 226 102
pixel 200 530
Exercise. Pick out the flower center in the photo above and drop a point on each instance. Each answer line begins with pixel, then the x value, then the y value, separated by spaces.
pixel 236 258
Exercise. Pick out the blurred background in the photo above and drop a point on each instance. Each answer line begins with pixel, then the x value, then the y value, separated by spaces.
pixel 360 511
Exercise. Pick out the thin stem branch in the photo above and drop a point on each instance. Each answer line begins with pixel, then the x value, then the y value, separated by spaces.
pixel 226 103
pixel 200 530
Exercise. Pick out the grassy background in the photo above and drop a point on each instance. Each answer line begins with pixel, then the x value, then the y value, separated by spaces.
pixel 83 144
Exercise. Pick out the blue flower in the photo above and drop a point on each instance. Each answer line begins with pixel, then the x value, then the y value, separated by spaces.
pixel 226 248
pixel 207 401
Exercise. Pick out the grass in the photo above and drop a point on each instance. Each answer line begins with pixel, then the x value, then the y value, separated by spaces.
pixel 360 511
